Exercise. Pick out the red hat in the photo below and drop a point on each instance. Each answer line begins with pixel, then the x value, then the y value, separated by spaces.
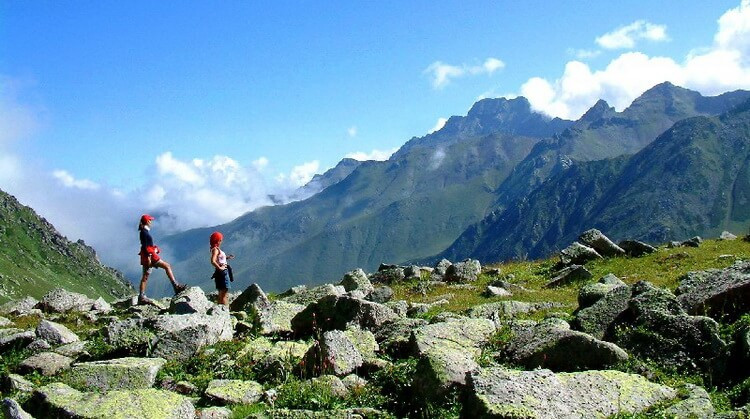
pixel 146 218
pixel 215 238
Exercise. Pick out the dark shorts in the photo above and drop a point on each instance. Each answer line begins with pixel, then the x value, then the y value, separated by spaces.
pixel 221 279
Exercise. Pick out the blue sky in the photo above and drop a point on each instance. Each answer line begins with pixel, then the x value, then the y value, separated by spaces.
pixel 202 109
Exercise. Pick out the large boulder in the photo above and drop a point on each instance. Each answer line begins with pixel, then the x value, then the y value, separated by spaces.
pixel 635 248
pixel 381 294
pixel 12 337
pixel 181 336
pixel 115 374
pixel 599 318
pixel 191 300
pixel 461 272
pixel 578 254
pixel 569 274
pixel 503 393
pixel 12 410
pixel 271 317
pixel 697 404
pixel 234 391
pixel 274 359
pixel 334 354
pixel 551 344
pixel 60 400
pixel 46 363
pixel 18 307
pixel 339 313
pixel 130 336
pixel 357 280
pixel 591 293
pixel 388 274
pixel 309 296
pixel 719 293
pixel 596 240
pixel 61 301
pixel 393 339
pixel 505 309
pixel 55 333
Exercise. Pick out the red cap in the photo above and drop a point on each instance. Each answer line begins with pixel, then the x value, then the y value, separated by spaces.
pixel 146 218
pixel 215 238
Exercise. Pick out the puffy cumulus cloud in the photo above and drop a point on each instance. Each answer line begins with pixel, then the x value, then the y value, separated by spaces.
pixel 722 67
pixel 442 73
pixel 67 180
pixel 352 131
pixel 626 36
pixel 299 175
pixel 584 54
pixel 260 164
pixel 438 125
pixel 379 155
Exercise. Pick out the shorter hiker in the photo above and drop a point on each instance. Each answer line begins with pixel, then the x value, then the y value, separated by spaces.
pixel 222 271
pixel 150 259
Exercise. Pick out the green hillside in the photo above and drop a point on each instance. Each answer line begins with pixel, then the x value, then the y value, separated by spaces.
pixel 35 258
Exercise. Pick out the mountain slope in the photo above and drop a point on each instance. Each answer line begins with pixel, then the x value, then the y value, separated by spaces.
pixel 35 258
pixel 413 205
pixel 692 180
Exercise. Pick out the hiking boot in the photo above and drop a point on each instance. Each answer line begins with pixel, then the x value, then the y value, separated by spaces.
pixel 143 300
pixel 179 288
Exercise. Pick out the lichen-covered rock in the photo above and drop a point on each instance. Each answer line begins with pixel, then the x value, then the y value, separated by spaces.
pixel 499 392
pixel 569 274
pixel 364 341
pixel 492 291
pixel 339 313
pixel 12 410
pixel 393 338
pixel 578 254
pixel 697 405
pixel 55 333
pixel 725 235
pixel 61 301
pixel 115 374
pixel 5 322
pixel 355 413
pixel 551 344
pixel 73 350
pixel 46 363
pixel 38 345
pixel 388 274
pixel 591 293
pixel 719 293
pixel 309 296
pixel 60 400
pixel 274 359
pixel 252 298
pixel 596 240
pixel 101 306
pixel 16 383
pixel 505 309
pixel 215 412
pixel 357 280
pixel 381 294
pixel 191 300
pixel 334 354
pixel 181 336
pixel 461 272
pixel 11 337
pixel 129 336
pixel 635 248
pixel 18 307
pixel 599 318
pixel 465 332
pixel 335 384
pixel 234 391
pixel 438 272
pixel 353 382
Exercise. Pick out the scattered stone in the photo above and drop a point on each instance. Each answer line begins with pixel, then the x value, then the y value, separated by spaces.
pixel 594 239
pixel 116 374
pixel 599 318
pixel 388 274
pixel 309 296
pixel 725 257
pixel 400 307
pixel 234 391
pixel 499 392
pixel 353 382
pixel 438 272
pixel 591 293
pixel 413 272
pixel 19 307
pixel 39 345
pixel 46 363
pixel 191 300
pixel 339 313
pixel 578 254
pixel 725 235
pixel 334 354
pixel 15 337
pixel 497 292
pixel 16 383
pixel 506 309
pixel 185 387
pixel 569 274
pixel 381 295
pixel 12 410
pixel 466 271
pixel 101 306
pixel 60 400
pixel 393 339
pixel 215 412
pixel 692 242
pixel 493 272
pixel 696 405
pixel 333 383
pixel 719 293
pixel 61 301
pixel 635 248
pixel 5 322
pixel 55 333
pixel 181 336
pixel 357 280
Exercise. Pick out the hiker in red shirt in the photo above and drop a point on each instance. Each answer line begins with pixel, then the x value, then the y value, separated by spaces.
pixel 150 259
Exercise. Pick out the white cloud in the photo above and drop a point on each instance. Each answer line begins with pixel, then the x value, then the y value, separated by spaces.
pixel 437 158
pixel 303 173
pixel 584 54
pixel 18 120
pixel 626 36
pixel 719 68
pixel 379 155
pixel 260 164
pixel 438 125
pixel 352 131
pixel 70 182
pixel 443 73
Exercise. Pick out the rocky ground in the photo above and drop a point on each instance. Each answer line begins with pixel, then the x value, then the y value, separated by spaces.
pixel 623 330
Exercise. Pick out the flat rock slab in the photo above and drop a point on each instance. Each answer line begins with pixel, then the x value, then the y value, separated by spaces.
pixel 116 374
pixel 46 363
pixel 570 274
pixel 234 391
pixel 55 333
pixel 499 392
pixel 717 292
pixel 60 400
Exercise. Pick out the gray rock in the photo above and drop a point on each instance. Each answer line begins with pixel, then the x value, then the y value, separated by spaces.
pixel 131 336
pixel 55 333
pixel 216 412
pixel 60 400
pixel 599 318
pixel 181 336
pixel 271 317
pixel 725 235
pixel 491 291
pixel 466 271
pixel 353 382
pixel 719 293
pixel 551 344
pixel 569 274
pixel 12 410
pixel 388 274
pixel 115 374
pixel 73 350
pixel 335 384
pixel 635 248
pixel 339 313
pixel 312 295
pixel 61 301
pixel 505 309
pixel 191 300
pixel 381 294
pixel 16 383
pixel 578 254
pixel 15 337
pixel 234 391
pixel 46 363
pixel 591 293
pixel 335 354
pixel 596 240
pixel 252 298
pixel 274 359
pixel 499 392
pixel 697 405
pixel 357 280
pixel 400 307
pixel 19 307
pixel 692 242
pixel 393 338
pixel 39 345
pixel 414 272
pixel 467 333
pixel 5 322
pixel 440 269
pixel 101 306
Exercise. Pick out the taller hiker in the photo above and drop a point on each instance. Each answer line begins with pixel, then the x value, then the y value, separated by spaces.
pixel 150 259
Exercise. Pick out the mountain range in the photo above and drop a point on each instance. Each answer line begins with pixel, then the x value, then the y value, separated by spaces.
pixel 502 182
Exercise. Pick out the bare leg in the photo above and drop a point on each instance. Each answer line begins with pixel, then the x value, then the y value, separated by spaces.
pixel 144 281
pixel 223 297
pixel 168 268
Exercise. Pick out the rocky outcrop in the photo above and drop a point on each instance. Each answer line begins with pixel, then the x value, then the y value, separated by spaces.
pixel 181 336
pixel 340 313
pixel 61 301
pixel 719 293
pixel 635 248
pixel 578 254
pixel 115 374
pixel 462 272
pixel 594 239
pixel 357 280
pixel 599 318
pixel 499 392
pixel 191 300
